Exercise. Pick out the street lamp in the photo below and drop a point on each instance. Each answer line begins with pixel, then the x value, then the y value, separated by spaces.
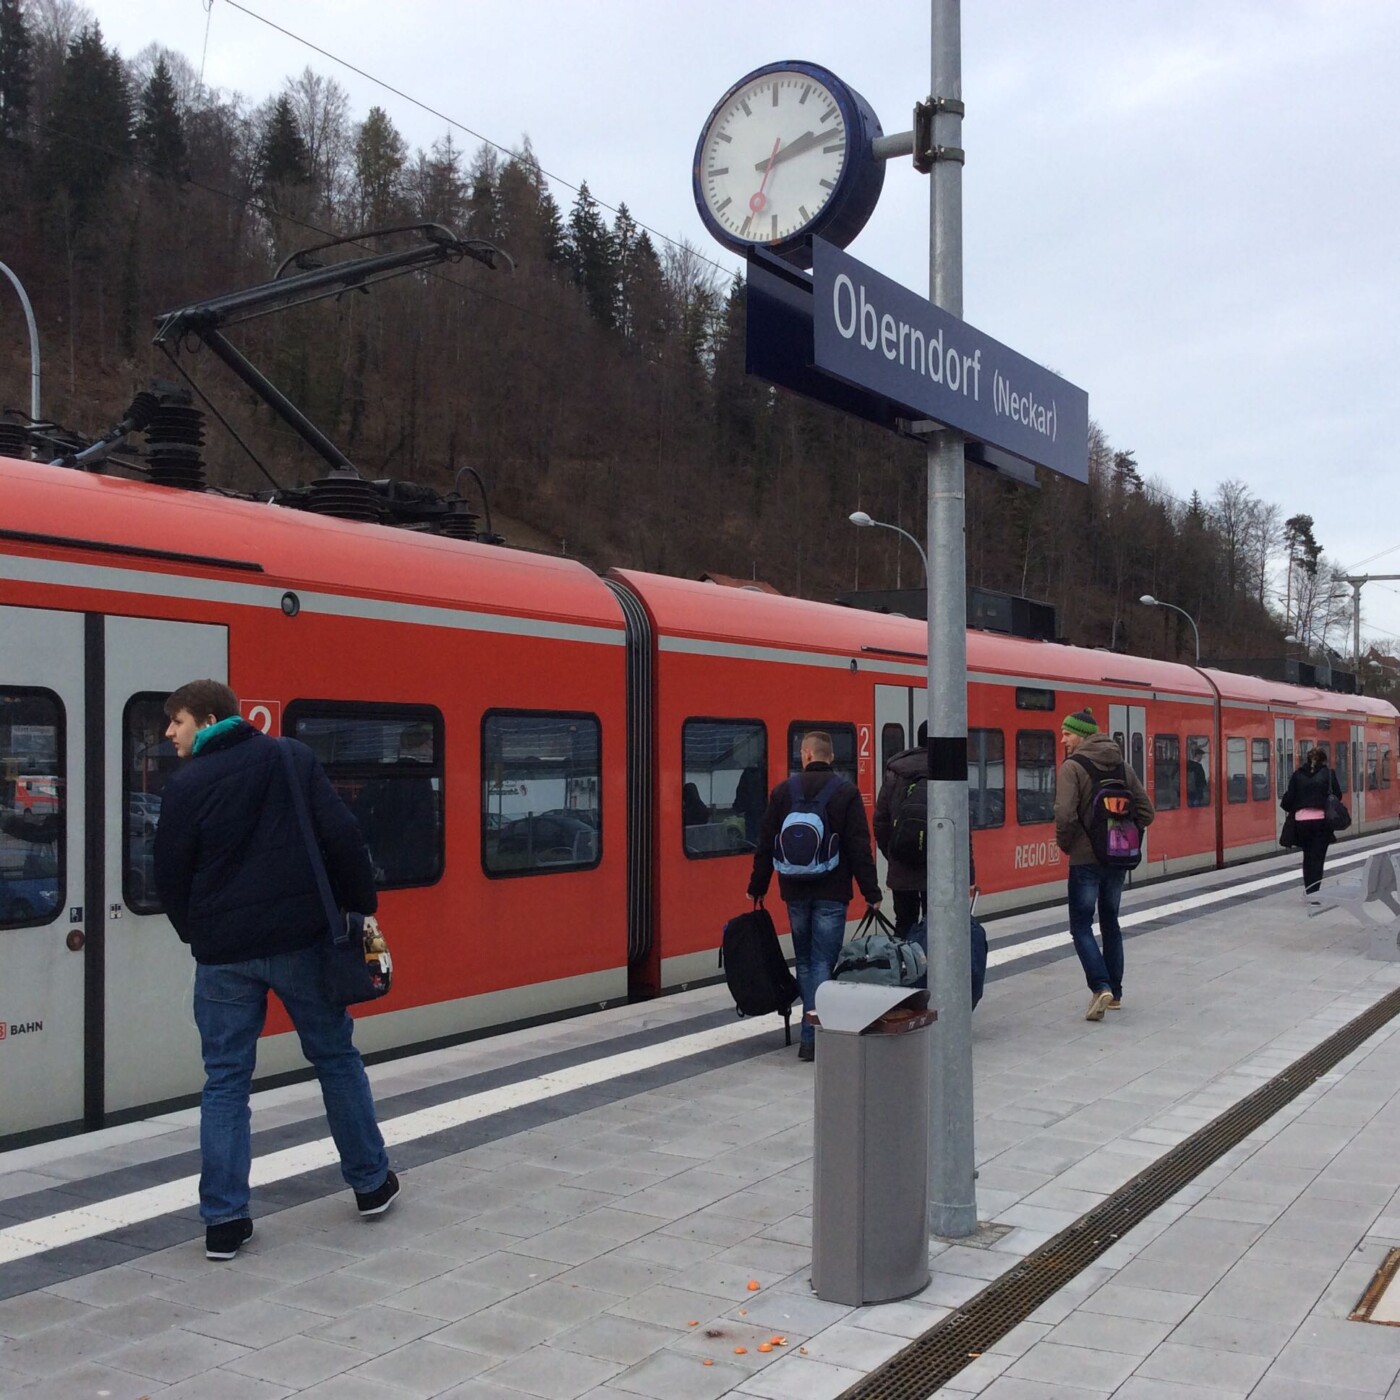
pixel 859 517
pixel 1152 602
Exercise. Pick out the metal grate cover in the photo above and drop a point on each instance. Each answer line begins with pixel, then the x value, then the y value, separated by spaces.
pixel 936 1357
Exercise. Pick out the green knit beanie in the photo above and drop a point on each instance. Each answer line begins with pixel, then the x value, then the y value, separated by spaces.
pixel 1081 722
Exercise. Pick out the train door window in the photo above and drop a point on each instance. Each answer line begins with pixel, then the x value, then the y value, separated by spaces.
pixel 148 760
pixel 541 800
pixel 1340 768
pixel 1372 766
pixel 843 744
pixel 1035 776
pixel 1198 770
pixel 891 743
pixel 1385 765
pixel 1136 757
pixel 986 778
pixel 33 798
pixel 1236 777
pixel 725 785
pixel 386 762
pixel 1166 772
pixel 1259 769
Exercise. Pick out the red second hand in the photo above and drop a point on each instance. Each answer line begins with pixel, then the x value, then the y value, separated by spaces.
pixel 757 201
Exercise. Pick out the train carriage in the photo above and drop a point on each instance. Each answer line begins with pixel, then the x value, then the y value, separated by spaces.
pixel 560 776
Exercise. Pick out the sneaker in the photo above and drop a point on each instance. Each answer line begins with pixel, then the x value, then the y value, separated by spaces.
pixel 1097 1005
pixel 224 1241
pixel 379 1200
pixel 1115 1003
pixel 806 1050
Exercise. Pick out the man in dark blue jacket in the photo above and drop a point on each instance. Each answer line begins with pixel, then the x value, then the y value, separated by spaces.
pixel 817 903
pixel 232 870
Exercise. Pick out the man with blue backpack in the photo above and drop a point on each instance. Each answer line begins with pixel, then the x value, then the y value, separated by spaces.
pixel 1101 812
pixel 815 836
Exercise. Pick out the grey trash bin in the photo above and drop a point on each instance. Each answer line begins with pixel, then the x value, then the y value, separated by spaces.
pixel 870 1155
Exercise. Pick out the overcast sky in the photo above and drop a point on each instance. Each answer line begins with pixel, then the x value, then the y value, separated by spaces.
pixel 1187 207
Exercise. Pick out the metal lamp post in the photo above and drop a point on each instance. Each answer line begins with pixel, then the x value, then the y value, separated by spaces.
pixel 1152 602
pixel 859 517
pixel 33 343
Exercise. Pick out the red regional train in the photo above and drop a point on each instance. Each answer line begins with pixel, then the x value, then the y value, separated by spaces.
pixel 560 775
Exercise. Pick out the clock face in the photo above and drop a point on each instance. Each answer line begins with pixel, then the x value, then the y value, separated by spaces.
pixel 771 158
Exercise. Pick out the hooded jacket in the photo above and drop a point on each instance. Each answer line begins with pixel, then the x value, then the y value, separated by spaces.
pixel 905 767
pixel 231 865
pixel 846 814
pixel 1074 788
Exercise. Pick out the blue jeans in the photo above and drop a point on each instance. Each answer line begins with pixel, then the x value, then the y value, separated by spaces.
pixel 230 1005
pixel 1093 886
pixel 818 931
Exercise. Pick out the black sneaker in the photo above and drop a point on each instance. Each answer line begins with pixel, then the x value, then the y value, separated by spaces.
pixel 224 1241
pixel 376 1202
pixel 806 1050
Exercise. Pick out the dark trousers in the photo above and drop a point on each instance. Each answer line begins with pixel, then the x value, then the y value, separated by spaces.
pixel 909 907
pixel 1314 839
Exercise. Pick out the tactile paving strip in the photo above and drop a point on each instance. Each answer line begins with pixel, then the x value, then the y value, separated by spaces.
pixel 954 1342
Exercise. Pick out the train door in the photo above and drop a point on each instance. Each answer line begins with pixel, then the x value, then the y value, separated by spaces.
pixel 43 777
pixel 94 1000
pixel 1285 737
pixel 1359 775
pixel 1128 725
pixel 152 1047
pixel 899 711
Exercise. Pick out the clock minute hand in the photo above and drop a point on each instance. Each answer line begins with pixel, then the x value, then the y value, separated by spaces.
pixel 795 147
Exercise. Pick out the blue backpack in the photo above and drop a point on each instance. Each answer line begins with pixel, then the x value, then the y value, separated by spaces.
pixel 805 847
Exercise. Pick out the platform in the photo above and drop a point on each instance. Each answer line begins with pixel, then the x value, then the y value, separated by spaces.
pixel 586 1204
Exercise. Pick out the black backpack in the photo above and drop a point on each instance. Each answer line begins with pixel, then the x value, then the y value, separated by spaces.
pixel 759 978
pixel 1113 831
pixel 909 821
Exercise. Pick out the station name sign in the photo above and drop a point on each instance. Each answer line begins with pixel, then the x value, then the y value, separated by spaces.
pixel 881 337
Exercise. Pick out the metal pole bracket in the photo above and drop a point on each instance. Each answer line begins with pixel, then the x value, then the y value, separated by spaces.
pixel 926 152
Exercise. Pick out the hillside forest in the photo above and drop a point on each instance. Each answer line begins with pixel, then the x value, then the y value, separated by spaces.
pixel 598 389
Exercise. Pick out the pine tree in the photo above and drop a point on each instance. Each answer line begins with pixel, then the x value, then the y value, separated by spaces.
pixel 380 156
pixel 593 258
pixel 16 73
pixel 283 160
pixel 160 130
pixel 90 135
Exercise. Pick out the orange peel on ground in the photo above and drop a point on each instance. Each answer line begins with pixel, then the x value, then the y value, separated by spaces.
pixel 754 1285
pixel 765 1346
pixel 707 1362
pixel 741 1351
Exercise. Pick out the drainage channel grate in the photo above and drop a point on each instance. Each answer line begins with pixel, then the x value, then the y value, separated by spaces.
pixel 936 1357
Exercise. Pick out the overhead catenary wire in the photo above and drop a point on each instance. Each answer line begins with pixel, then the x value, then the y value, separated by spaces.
pixel 463 127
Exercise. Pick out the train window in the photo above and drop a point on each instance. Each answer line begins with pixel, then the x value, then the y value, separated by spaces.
pixel 1385 765
pixel 843 742
pixel 1340 769
pixel 541 803
pixel 1236 778
pixel 891 743
pixel 1198 770
pixel 1031 698
pixel 1166 772
pixel 1259 769
pixel 386 763
pixel 986 778
pixel 148 760
pixel 1371 768
pixel 725 787
pixel 32 806
pixel 1035 776
pixel 1325 747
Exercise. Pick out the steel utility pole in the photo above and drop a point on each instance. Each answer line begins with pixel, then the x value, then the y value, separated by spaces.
pixel 1356 581
pixel 33 343
pixel 952 1192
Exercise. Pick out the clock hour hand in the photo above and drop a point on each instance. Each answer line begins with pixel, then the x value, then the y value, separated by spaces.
pixel 795 147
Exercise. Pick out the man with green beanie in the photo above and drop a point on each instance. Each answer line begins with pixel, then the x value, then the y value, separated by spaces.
pixel 1096 759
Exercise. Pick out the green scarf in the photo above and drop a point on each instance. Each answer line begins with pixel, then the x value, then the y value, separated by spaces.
pixel 221 727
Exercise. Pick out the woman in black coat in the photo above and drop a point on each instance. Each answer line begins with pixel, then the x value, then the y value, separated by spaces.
pixel 1312 783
